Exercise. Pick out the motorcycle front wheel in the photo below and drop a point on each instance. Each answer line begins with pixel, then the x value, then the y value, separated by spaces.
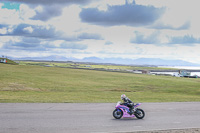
pixel 117 114
pixel 139 113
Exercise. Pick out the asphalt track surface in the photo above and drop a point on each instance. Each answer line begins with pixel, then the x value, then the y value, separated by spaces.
pixel 94 117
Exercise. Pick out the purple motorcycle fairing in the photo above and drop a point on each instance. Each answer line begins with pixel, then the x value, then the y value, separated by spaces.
pixel 138 104
pixel 125 110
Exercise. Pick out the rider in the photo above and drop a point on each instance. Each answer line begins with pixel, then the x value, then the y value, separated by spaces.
pixel 128 102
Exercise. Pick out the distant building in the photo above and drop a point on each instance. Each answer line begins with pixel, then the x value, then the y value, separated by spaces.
pixel 3 61
pixel 145 72
pixel 184 73
pixel 87 66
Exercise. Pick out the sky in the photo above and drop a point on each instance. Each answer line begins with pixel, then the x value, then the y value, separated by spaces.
pixel 166 29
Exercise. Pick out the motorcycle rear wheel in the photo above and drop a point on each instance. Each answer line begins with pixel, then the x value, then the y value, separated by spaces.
pixel 117 114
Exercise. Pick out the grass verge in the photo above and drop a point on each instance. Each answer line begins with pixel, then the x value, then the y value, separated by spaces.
pixel 23 83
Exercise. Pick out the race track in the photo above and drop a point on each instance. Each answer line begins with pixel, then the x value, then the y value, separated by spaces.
pixel 94 117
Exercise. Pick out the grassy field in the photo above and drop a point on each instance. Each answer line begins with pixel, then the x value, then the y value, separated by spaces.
pixel 90 66
pixel 24 83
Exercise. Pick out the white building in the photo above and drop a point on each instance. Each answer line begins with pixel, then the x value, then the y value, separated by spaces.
pixel 3 61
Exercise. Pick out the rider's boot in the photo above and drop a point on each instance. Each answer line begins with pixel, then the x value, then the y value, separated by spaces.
pixel 130 111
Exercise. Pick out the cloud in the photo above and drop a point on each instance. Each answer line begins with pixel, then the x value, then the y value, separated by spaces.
pixel 158 38
pixel 142 39
pixel 33 44
pixel 90 36
pixel 129 14
pixel 44 32
pixel 48 12
pixel 73 46
pixel 161 25
pixel 50 8
pixel 50 2
pixel 155 39
pixel 26 30
pixel 108 43
pixel 184 40
pixel 31 40
pixel 9 16
pixel 3 25
pixel 27 44
pixel 5 29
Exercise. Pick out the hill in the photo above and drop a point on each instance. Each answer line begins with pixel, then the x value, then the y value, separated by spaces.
pixel 141 61
pixel 162 62
pixel 123 61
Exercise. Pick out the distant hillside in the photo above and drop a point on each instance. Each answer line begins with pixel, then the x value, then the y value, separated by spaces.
pixel 141 61
pixel 123 61
pixel 162 62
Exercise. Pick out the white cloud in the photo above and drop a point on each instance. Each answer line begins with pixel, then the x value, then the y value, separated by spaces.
pixel 28 29
pixel 3 31
pixel 9 16
pixel 26 12
pixel 69 20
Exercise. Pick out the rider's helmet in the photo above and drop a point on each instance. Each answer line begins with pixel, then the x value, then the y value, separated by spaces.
pixel 123 96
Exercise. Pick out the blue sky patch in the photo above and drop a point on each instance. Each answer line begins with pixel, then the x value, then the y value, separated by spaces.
pixel 10 5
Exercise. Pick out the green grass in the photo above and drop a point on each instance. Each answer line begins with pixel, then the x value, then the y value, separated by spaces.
pixel 24 83
pixel 92 66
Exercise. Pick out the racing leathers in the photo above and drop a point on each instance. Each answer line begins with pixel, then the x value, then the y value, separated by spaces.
pixel 129 104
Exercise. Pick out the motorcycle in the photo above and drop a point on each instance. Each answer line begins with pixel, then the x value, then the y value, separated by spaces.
pixel 123 111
